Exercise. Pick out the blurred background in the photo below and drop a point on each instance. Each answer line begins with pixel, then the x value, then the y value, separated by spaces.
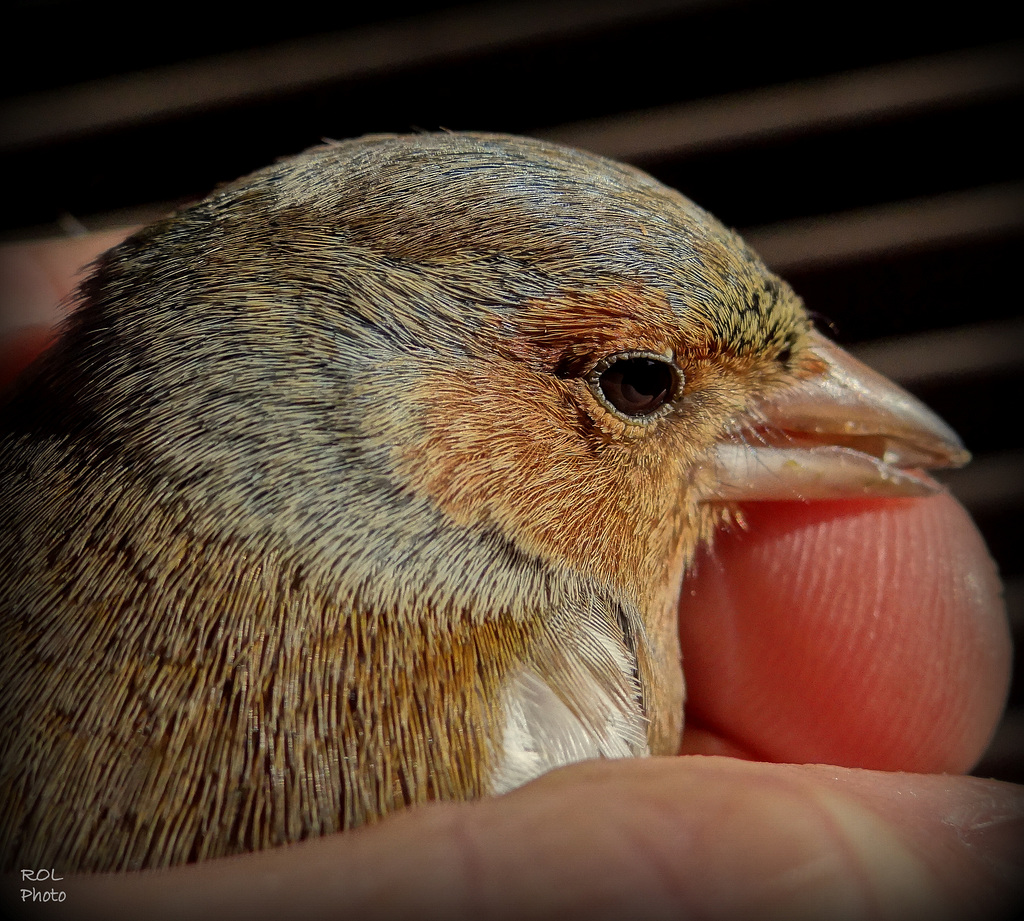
pixel 870 151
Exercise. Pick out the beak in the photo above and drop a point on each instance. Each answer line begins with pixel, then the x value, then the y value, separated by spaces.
pixel 847 432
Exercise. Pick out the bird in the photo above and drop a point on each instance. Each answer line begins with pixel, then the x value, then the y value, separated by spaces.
pixel 372 479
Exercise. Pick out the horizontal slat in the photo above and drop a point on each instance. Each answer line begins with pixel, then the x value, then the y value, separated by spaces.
pixel 993 482
pixel 866 232
pixel 879 92
pixel 259 72
pixel 936 356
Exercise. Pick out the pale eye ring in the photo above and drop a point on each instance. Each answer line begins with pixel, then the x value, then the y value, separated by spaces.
pixel 636 385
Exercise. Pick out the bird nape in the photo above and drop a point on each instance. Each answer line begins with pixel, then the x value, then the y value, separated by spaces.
pixel 372 479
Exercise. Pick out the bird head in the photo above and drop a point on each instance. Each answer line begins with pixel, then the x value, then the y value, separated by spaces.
pixel 460 377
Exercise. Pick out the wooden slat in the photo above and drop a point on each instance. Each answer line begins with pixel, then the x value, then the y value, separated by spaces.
pixel 949 354
pixel 868 232
pixel 260 72
pixel 992 482
pixel 883 92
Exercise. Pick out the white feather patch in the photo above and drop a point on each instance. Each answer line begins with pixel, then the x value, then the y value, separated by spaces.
pixel 542 732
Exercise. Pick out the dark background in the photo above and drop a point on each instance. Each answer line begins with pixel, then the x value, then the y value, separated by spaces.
pixel 869 150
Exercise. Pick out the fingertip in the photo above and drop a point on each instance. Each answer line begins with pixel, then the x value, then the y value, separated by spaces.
pixel 863 634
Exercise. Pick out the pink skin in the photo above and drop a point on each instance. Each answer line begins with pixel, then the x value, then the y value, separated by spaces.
pixel 828 647
pixel 868 634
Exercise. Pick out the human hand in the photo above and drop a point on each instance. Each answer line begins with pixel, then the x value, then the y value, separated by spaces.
pixel 868 635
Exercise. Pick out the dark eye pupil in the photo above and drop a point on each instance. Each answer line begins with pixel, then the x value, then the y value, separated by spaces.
pixel 636 386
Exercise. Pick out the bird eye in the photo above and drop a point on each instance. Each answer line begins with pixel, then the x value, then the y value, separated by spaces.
pixel 636 385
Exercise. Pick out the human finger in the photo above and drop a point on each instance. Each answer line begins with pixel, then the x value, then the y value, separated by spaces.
pixel 868 634
pixel 713 838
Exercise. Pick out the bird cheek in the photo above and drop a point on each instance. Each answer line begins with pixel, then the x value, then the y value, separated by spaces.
pixel 479 441
pixel 515 452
